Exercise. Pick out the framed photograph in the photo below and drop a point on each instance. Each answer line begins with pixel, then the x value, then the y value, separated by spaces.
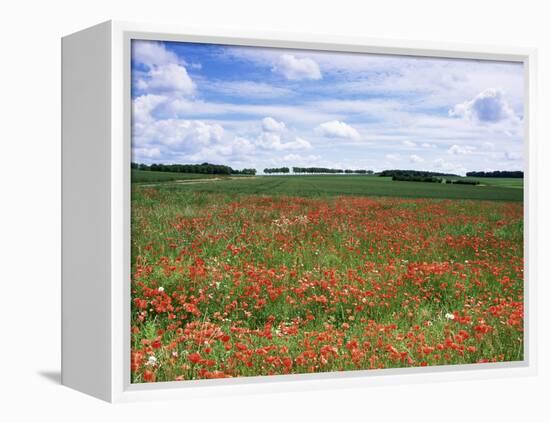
pixel 267 212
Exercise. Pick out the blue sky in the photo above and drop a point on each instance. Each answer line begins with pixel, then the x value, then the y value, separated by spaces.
pixel 260 107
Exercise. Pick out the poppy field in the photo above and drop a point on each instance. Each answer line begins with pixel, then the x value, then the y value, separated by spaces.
pixel 229 284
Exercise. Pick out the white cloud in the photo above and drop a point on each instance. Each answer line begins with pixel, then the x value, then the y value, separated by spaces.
pixel 416 159
pixel 292 157
pixel 338 129
pixel 513 156
pixel 428 145
pixel 302 143
pixel 489 106
pixel 170 78
pixel 248 89
pixel 143 107
pixel 152 53
pixel 188 141
pixel 186 135
pixel 392 157
pixel 166 72
pixel 408 143
pixel 271 125
pixel 461 149
pixel 149 153
pixel 295 69
pixel 274 141
pixel 448 167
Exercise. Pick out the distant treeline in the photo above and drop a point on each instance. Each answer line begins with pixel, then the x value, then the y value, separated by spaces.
pixel 206 168
pixel 497 174
pixel 276 170
pixel 434 179
pixel 416 178
pixel 413 173
pixel 327 170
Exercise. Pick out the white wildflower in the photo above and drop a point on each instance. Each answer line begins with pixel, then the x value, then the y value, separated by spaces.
pixel 152 360
pixel 449 316
pixel 161 289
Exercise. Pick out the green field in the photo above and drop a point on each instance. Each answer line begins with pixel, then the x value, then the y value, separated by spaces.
pixel 330 185
pixel 500 182
pixel 139 176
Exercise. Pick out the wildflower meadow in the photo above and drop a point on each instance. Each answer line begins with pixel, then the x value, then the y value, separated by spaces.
pixel 232 285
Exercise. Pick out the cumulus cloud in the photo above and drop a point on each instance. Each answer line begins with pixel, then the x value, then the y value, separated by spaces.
pixel 271 125
pixel 170 78
pixel 461 149
pixel 489 106
pixel 338 129
pixel 166 72
pixel 416 159
pixel 428 145
pixel 152 53
pixel 408 143
pixel 295 69
pixel 180 140
pixel 144 106
pixel 274 141
pixel 187 135
pixel 149 153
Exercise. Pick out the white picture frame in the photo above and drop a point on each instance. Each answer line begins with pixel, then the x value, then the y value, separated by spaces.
pixel 96 119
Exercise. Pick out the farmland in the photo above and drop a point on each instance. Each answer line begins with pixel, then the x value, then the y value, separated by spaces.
pixel 326 185
pixel 307 274
pixel 140 176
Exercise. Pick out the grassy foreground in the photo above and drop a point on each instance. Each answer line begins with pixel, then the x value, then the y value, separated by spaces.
pixel 227 283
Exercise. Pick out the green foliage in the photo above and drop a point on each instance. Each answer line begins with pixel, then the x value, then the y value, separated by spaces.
pixel 328 170
pixel 204 168
pixel 497 174
pixel 416 178
pixel 276 170
pixel 412 174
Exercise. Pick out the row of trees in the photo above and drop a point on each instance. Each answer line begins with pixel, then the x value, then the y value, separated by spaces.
pixel 416 178
pixel 497 174
pixel 270 170
pixel 434 179
pixel 328 170
pixel 396 174
pixel 413 173
pixel 205 168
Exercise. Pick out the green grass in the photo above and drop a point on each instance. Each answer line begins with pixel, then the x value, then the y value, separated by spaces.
pixel 329 185
pixel 516 183
pixel 149 176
